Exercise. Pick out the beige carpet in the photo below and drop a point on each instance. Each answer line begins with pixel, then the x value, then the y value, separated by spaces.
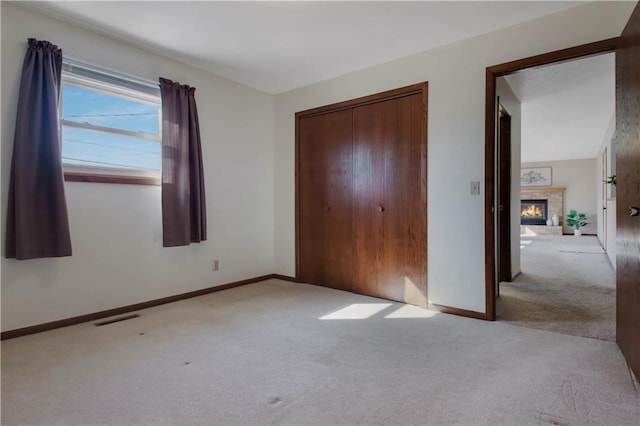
pixel 567 285
pixel 285 353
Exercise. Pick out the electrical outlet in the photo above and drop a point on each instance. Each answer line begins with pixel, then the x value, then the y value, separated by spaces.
pixel 475 188
pixel 215 264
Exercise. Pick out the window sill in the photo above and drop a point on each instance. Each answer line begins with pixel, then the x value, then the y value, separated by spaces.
pixel 104 178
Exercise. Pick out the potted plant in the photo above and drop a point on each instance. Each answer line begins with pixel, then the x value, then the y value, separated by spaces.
pixel 576 220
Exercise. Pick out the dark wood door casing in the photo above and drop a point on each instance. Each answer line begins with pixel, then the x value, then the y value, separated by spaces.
pixel 605 197
pixel 627 142
pixel 504 198
pixel 387 235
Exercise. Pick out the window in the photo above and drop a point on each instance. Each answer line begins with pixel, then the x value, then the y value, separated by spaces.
pixel 111 126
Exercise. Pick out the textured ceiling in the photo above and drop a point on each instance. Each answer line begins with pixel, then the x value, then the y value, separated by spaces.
pixel 566 108
pixel 279 46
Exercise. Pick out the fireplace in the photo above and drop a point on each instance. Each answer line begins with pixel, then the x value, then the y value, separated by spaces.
pixel 533 212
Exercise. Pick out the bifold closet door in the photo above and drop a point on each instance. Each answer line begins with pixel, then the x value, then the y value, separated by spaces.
pixel 325 199
pixel 389 209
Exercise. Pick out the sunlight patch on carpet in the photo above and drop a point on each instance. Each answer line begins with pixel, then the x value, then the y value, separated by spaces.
pixel 356 311
pixel 411 311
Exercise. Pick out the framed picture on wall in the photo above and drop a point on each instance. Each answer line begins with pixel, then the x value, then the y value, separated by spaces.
pixel 538 176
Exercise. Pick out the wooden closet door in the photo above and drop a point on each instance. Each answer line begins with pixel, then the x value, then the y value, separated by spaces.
pixel 389 228
pixel 325 199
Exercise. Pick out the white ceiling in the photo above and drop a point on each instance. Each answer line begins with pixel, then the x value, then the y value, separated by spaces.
pixel 280 46
pixel 566 108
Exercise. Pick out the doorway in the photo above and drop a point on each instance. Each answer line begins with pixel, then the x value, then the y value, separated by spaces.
pixel 562 123
pixel 627 146
pixel 492 178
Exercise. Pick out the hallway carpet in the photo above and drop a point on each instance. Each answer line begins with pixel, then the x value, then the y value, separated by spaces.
pixel 567 285
pixel 283 353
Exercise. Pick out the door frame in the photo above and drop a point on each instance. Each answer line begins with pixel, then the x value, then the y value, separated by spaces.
pixel 493 72
pixel 503 194
pixel 604 196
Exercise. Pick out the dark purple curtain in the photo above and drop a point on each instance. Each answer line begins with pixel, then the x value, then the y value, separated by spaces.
pixel 184 218
pixel 37 222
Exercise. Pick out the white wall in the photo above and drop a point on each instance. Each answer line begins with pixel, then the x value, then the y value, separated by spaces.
pixel 511 103
pixel 611 232
pixel 581 182
pixel 456 75
pixel 607 227
pixel 116 229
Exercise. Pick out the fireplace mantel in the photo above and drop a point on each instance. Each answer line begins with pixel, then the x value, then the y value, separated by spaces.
pixel 528 189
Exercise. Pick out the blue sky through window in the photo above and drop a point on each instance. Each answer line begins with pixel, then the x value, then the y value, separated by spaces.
pixel 96 148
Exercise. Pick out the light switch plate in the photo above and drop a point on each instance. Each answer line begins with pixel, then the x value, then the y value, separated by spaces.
pixel 475 188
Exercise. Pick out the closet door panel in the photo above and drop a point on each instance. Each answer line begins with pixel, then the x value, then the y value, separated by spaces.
pixel 368 231
pixel 325 197
pixel 404 274
pixel 390 257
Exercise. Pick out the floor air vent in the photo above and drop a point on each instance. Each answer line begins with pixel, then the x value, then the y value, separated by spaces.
pixel 118 319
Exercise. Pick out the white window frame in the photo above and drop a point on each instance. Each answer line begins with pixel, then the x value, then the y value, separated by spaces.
pixel 82 75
